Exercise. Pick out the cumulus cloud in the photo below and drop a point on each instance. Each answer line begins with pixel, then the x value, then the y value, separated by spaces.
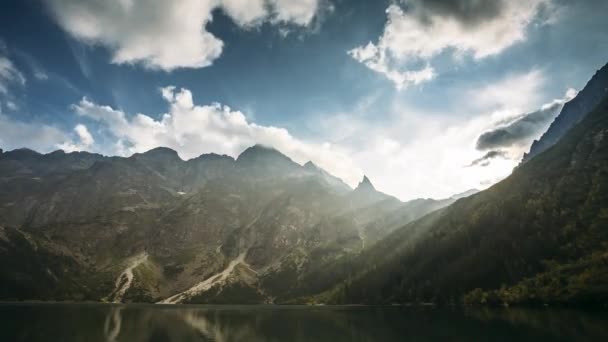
pixel 419 30
pixel 84 142
pixel 168 34
pixel 245 12
pixel 192 130
pixel 523 129
pixel 299 12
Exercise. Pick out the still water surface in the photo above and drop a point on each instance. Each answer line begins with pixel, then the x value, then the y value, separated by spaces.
pixel 154 323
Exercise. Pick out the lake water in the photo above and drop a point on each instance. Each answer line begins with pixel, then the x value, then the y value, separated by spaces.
pixel 154 323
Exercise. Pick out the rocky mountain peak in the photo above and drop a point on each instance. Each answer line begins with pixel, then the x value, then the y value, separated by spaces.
pixel 159 153
pixel 260 151
pixel 365 185
pixel 311 166
pixel 260 154
pixel 213 156
pixel 22 153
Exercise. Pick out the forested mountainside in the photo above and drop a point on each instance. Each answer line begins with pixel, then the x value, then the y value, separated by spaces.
pixel 539 236
pixel 152 227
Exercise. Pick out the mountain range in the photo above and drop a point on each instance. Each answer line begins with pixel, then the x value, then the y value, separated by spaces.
pixel 152 227
pixel 262 228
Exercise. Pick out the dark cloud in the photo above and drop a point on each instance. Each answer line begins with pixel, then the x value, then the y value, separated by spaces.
pixel 523 129
pixel 468 12
pixel 485 160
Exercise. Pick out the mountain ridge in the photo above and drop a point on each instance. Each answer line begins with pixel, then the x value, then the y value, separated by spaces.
pixel 212 228
pixel 536 237
pixel 573 112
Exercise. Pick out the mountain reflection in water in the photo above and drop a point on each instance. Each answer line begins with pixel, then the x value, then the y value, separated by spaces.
pixel 151 323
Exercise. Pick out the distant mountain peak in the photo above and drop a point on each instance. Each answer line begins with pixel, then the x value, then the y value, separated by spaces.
pixel 464 194
pixel 57 152
pixel 309 165
pixel 21 153
pixel 365 184
pixel 159 152
pixel 259 151
pixel 213 156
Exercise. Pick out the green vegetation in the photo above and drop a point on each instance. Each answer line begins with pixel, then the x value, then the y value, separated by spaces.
pixel 539 236
pixel 300 234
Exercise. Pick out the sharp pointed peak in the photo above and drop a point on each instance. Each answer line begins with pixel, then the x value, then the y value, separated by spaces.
pixel 365 184
pixel 311 166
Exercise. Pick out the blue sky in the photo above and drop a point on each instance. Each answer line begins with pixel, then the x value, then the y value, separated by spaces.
pixel 399 90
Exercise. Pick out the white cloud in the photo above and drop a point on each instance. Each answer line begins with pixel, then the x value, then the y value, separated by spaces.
pixel 41 75
pixel 83 133
pixel 414 153
pixel 12 105
pixel 168 34
pixel 411 152
pixel 85 140
pixel 10 78
pixel 9 75
pixel 245 12
pixel 192 130
pixel 515 134
pixel 518 92
pixel 16 134
pixel 419 31
pixel 300 12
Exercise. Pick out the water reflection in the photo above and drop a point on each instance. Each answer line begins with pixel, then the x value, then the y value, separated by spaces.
pixel 111 328
pixel 149 323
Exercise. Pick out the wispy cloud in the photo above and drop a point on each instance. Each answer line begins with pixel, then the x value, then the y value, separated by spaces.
pixel 10 79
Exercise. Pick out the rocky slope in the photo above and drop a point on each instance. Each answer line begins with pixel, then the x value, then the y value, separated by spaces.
pixel 155 228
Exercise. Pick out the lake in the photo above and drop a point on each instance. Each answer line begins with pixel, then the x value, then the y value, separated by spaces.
pixel 152 323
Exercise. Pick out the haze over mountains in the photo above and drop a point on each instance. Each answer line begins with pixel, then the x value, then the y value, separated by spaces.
pixel 537 237
pixel 263 229
pixel 148 227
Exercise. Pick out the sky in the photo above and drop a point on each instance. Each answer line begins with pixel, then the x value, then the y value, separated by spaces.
pixel 428 98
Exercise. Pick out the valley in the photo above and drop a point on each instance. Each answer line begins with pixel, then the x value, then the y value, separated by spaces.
pixel 261 228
